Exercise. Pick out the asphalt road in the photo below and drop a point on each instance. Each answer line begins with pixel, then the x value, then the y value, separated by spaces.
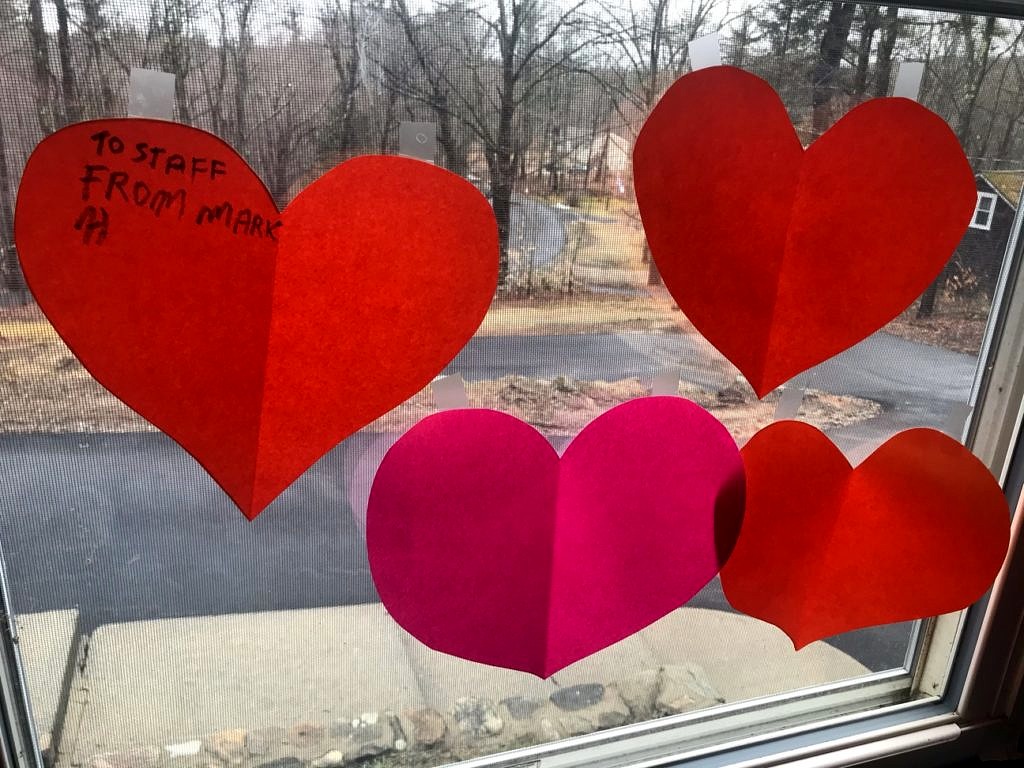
pixel 127 527
pixel 540 227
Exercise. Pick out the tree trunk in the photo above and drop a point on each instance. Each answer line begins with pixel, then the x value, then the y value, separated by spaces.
pixel 833 42
pixel 653 275
pixel 930 297
pixel 864 44
pixel 963 126
pixel 454 157
pixel 93 28
pixel 886 46
pixel 10 271
pixel 41 67
pixel 72 111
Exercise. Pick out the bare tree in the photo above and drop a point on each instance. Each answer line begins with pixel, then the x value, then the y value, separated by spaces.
pixel 44 82
pixel 175 25
pixel 431 57
pixel 651 46
pixel 340 31
pixel 890 25
pixel 870 21
pixel 833 45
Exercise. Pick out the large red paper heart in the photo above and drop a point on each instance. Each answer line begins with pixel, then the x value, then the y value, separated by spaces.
pixel 256 339
pixel 920 528
pixel 484 544
pixel 782 257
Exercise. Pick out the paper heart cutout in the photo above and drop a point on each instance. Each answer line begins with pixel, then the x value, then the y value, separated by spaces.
pixel 485 545
pixel 918 529
pixel 256 339
pixel 782 257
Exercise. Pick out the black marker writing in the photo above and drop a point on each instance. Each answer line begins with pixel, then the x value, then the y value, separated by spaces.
pixel 105 140
pixel 93 221
pixel 243 222
pixel 191 166
pixel 117 185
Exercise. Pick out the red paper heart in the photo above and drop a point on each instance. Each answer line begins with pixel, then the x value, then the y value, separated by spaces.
pixel 782 257
pixel 486 545
pixel 259 342
pixel 920 528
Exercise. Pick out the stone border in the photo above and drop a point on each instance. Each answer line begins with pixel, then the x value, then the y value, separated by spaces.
pixel 420 737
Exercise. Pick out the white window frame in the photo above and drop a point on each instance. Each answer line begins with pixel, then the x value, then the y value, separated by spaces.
pixel 990 213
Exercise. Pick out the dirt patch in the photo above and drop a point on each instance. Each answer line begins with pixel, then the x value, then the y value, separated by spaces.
pixel 563 406
pixel 954 327
pixel 44 389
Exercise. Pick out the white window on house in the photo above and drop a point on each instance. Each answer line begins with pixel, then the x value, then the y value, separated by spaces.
pixel 984 211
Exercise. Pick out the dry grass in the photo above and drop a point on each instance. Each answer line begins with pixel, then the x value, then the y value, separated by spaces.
pixel 958 326
pixel 43 388
pixel 580 313
pixel 563 406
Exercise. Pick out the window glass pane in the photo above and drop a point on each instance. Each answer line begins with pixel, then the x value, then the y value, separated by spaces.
pixel 159 625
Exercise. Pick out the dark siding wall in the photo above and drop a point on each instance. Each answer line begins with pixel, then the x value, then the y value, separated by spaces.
pixel 981 252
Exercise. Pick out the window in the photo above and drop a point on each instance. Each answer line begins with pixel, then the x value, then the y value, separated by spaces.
pixel 984 211
pixel 156 625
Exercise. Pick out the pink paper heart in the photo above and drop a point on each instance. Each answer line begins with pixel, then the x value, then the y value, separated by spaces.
pixel 485 545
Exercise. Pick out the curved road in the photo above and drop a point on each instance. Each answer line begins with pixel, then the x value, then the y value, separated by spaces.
pixel 127 527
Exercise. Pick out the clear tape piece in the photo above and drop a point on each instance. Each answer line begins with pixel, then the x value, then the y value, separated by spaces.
pixel 417 140
pixel 666 382
pixel 908 80
pixel 450 392
pixel 792 397
pixel 150 94
pixel 705 52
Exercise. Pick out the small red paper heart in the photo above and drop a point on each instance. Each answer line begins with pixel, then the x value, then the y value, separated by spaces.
pixel 782 257
pixel 256 339
pixel 920 528
pixel 483 543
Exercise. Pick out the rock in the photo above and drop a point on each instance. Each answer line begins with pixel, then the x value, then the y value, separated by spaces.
pixel 370 734
pixel 564 384
pixel 578 697
pixel 331 759
pixel 227 746
pixel 586 708
pixel 574 725
pixel 426 727
pixel 639 692
pixel 521 707
pixel 140 757
pixel 685 687
pixel 547 730
pixel 738 393
pixel 264 741
pixel 477 717
pixel 305 735
pixel 282 762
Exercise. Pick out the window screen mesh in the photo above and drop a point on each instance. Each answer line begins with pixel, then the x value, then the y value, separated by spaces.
pixel 153 614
